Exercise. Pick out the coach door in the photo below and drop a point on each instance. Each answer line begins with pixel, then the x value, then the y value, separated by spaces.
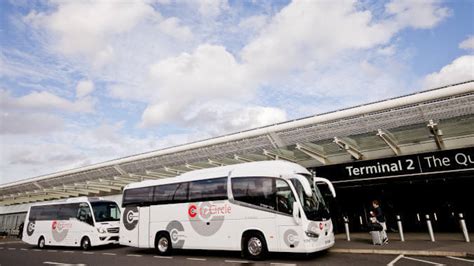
pixel 143 227
pixel 129 226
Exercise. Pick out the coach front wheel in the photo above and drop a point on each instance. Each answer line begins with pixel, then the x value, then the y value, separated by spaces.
pixel 255 247
pixel 85 243
pixel 163 244
pixel 41 243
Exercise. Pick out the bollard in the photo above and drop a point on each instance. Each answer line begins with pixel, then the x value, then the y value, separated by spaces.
pixel 346 226
pixel 360 220
pixel 430 228
pixel 400 228
pixel 464 228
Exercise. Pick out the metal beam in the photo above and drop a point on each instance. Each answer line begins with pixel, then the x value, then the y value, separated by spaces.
pixel 242 159
pixel 159 175
pixel 275 156
pixel 390 140
pixel 312 152
pixel 173 171
pixel 349 148
pixel 193 167
pixel 437 134
pixel 120 170
pixel 215 163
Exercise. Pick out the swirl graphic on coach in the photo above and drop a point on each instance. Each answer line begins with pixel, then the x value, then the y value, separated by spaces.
pixel 207 218
pixel 177 239
pixel 130 218
pixel 60 230
pixel 291 238
pixel 30 228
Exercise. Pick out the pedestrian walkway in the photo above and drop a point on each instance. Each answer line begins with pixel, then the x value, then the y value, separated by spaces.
pixel 447 244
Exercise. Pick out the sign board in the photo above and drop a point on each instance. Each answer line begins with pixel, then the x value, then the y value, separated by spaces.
pixel 440 161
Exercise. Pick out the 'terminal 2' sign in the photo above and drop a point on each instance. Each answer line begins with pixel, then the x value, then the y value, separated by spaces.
pixel 449 160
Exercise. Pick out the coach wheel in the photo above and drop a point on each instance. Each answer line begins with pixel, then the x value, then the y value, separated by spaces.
pixel 163 244
pixel 85 243
pixel 41 243
pixel 255 247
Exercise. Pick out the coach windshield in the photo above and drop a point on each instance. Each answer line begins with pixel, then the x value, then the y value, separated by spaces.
pixel 106 211
pixel 313 206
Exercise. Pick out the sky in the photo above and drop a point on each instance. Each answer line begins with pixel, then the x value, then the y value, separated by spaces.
pixel 83 82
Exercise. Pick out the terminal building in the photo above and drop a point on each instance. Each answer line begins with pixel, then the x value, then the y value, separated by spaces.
pixel 415 154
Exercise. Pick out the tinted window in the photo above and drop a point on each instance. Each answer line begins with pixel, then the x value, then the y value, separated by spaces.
pixel 34 213
pixel 105 211
pixel 259 191
pixel 284 197
pixel 209 189
pixel 84 214
pixel 172 193
pixel 68 211
pixel 137 196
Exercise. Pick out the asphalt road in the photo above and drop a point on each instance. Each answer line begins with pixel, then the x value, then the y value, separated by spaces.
pixel 17 253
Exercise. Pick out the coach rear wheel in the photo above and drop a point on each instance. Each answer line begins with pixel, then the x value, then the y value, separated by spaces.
pixel 41 243
pixel 85 243
pixel 163 244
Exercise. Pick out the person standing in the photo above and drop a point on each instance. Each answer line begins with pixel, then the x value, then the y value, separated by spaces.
pixel 376 213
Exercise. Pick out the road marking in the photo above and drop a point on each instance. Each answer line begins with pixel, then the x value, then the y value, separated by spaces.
pixel 110 254
pixel 37 250
pixel 52 250
pixel 87 252
pixel 456 258
pixel 196 259
pixel 68 251
pixel 1 247
pixel 237 261
pixel 162 257
pixel 133 255
pixel 283 264
pixel 395 260
pixel 425 261
pixel 10 242
pixel 62 263
pixel 24 249
pixel 11 248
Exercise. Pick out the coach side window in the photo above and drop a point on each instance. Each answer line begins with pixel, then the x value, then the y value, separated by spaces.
pixel 284 197
pixel 171 193
pixel 138 196
pixel 258 191
pixel 84 214
pixel 208 189
pixel 68 211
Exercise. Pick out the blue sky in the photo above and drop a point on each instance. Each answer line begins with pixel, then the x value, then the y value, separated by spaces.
pixel 87 81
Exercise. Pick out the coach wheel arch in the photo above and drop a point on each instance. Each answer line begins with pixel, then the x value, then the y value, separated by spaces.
pixel 163 243
pixel 254 245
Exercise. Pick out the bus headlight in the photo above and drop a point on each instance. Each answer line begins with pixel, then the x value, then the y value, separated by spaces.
pixel 101 230
pixel 311 234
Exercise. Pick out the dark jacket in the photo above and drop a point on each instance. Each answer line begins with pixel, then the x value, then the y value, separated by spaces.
pixel 379 215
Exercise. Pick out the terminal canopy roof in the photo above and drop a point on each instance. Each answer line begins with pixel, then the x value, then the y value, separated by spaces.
pixel 438 119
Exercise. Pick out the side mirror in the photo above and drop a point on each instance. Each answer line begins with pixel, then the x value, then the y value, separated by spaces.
pixel 296 213
pixel 327 182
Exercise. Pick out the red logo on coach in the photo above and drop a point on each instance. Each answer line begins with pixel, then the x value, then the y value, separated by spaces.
pixel 192 211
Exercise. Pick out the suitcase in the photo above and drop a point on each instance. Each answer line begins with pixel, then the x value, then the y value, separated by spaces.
pixel 376 237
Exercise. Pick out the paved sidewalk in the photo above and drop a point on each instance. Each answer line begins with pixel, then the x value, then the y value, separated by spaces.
pixel 447 244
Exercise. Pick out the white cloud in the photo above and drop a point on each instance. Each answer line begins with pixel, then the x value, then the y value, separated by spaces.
pixel 84 88
pixel 209 73
pixel 212 8
pixel 468 43
pixel 171 27
pixel 253 23
pixel 417 14
pixel 45 101
pixel 29 123
pixel 460 70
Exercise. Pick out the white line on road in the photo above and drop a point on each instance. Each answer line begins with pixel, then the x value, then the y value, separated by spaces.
pixel 62 263
pixel 1 247
pixel 10 242
pixel 162 257
pixel 395 260
pixel 110 254
pixel 68 251
pixel 24 249
pixel 37 250
pixel 237 261
pixel 283 264
pixel 11 248
pixel 87 252
pixel 425 261
pixel 52 250
pixel 133 255
pixel 196 259
pixel 456 258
